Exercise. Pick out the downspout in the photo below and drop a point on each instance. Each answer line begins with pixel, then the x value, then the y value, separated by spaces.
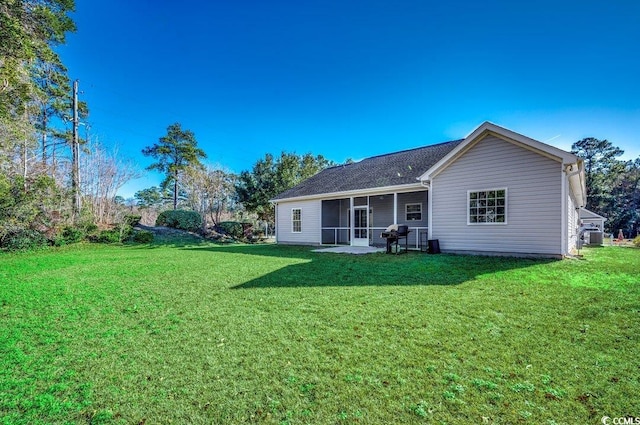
pixel 564 228
pixel 568 169
pixel 427 184
pixel 275 216
pixel 395 208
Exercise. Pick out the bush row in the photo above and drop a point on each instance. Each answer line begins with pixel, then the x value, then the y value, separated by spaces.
pixel 190 221
pixel 240 230
pixel 29 239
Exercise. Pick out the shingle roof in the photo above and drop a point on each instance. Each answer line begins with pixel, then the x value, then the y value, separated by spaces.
pixel 393 169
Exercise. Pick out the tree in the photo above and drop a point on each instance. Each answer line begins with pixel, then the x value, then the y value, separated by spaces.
pixel 613 186
pixel 174 152
pixel 29 30
pixel 31 73
pixel 149 203
pixel 210 191
pixel 53 98
pixel 623 210
pixel 601 169
pixel 151 197
pixel 103 173
pixel 270 176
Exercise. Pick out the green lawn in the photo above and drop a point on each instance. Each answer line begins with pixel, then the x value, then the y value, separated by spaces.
pixel 273 334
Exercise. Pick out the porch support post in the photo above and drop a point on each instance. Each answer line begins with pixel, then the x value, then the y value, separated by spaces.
pixel 395 208
pixel 352 219
pixel 368 218
pixel 320 222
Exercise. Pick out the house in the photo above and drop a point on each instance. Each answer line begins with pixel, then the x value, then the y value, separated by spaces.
pixel 593 225
pixel 495 192
pixel 589 217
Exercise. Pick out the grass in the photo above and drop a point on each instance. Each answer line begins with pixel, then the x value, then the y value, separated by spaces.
pixel 201 333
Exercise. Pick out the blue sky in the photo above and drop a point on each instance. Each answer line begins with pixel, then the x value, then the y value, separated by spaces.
pixel 352 79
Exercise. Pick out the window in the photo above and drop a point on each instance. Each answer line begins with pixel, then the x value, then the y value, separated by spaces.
pixel 296 220
pixel 487 206
pixel 414 212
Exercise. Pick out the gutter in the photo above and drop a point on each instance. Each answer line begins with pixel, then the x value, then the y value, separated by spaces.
pixel 575 175
pixel 357 192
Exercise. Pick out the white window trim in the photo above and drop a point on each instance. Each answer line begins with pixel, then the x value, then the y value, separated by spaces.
pixel 293 221
pixel 406 213
pixel 495 223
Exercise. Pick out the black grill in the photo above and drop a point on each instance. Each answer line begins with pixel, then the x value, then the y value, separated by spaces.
pixel 395 236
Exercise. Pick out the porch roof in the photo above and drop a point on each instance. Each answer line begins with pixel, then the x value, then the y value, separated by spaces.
pixel 393 169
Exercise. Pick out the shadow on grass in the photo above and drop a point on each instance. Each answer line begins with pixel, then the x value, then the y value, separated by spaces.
pixel 312 269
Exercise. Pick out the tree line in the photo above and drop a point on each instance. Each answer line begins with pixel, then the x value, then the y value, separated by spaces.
pixel 37 175
pixel 613 185
pixel 36 170
pixel 214 192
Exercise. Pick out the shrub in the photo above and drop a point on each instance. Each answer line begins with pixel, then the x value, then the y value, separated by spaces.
pixel 91 228
pixel 108 236
pixel 142 236
pixel 88 228
pixel 26 211
pixel 125 231
pixel 72 235
pixel 231 228
pixel 132 220
pixel 636 241
pixel 22 240
pixel 180 219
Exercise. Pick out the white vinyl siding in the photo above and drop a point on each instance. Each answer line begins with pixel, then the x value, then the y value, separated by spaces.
pixel 534 216
pixel 309 233
pixel 296 220
pixel 573 224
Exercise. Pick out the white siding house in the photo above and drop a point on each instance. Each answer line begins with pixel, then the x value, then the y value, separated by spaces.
pixel 307 223
pixel 533 188
pixel 495 192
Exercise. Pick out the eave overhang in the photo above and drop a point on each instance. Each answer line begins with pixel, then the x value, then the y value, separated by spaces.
pixel 355 193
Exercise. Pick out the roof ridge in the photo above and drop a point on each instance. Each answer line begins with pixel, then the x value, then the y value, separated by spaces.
pixel 375 171
pixel 394 153
pixel 411 149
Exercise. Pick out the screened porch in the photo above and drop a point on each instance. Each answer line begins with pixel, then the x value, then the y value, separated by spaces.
pixel 359 221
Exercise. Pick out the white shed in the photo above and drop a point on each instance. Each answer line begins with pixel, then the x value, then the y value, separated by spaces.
pixel 589 217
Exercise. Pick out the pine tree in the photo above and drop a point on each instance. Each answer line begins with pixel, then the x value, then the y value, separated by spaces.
pixel 174 152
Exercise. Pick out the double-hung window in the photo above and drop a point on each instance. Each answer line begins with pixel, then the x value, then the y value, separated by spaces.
pixel 413 212
pixel 296 220
pixel 487 206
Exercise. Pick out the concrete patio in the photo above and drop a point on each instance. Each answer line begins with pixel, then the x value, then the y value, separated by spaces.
pixel 346 249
